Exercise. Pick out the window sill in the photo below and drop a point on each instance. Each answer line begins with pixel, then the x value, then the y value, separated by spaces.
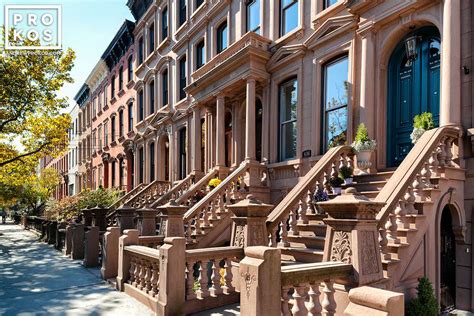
pixel 296 33
pixel 181 30
pixel 112 101
pixel 119 94
pixel 130 84
pixel 94 119
pixel 198 10
pixel 106 148
pixel 164 43
pixel 140 67
pixel 150 57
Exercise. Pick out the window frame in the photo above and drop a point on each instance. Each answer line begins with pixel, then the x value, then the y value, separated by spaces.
pixel 112 86
pixel 121 123
pixel 130 68
pixel 281 123
pixel 164 23
pixel 221 29
pixel 200 54
pixel 182 81
pixel 112 128
pixel 121 78
pixel 182 12
pixel 130 116
pixel 140 106
pixel 140 51
pixel 151 98
pixel 327 4
pixel 283 9
pixel 248 5
pixel 151 38
pixel 165 87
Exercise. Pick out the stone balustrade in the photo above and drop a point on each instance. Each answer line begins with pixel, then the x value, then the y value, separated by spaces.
pixel 144 269
pixel 299 201
pixel 151 241
pixel 188 197
pixel 149 194
pixel 176 191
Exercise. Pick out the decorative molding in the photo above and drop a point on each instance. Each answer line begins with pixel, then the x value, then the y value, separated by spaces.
pixel 248 279
pixel 341 247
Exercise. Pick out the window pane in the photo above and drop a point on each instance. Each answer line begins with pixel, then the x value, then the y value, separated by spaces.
pixel 329 3
pixel 288 140
pixel 336 127
pixel 253 16
pixel 336 84
pixel 288 100
pixel 289 17
pixel 222 37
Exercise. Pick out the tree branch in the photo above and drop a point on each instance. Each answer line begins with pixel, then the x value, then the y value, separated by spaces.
pixel 40 148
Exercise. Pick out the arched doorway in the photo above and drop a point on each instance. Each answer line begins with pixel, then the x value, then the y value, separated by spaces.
pixel 258 129
pixel 164 158
pixel 413 88
pixel 182 153
pixel 228 138
pixel 447 261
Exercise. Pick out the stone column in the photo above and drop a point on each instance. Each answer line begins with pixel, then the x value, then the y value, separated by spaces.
pixel 196 141
pixel 172 224
pixel 125 217
pixel 450 108
pixel 249 227
pixel 352 231
pixel 367 92
pixel 130 237
pixel 250 153
pixel 146 221
pixel 260 281
pixel 91 245
pixel 110 253
pixel 220 131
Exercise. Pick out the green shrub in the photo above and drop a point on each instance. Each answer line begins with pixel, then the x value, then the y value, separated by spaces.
pixel 424 121
pixel 425 304
pixel 346 172
pixel 362 135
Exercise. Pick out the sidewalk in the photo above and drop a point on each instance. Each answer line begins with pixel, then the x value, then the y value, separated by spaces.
pixel 36 279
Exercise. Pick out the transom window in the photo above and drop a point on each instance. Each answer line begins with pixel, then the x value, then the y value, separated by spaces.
pixel 289 16
pixel 222 37
pixel 164 24
pixel 182 77
pixel 335 92
pixel 200 55
pixel 253 16
pixel 288 99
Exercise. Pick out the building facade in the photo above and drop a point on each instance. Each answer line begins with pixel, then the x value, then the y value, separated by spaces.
pixel 73 154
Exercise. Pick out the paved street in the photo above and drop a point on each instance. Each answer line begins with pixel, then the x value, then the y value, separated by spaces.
pixel 35 279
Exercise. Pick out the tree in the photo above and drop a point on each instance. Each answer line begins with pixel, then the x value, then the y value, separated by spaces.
pixel 31 123
pixel 425 304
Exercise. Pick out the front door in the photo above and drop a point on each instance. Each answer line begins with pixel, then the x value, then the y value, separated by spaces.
pixel 448 262
pixel 413 88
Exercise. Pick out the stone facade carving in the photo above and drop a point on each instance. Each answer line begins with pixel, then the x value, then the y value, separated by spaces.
pixel 239 240
pixel 368 247
pixel 248 279
pixel 341 247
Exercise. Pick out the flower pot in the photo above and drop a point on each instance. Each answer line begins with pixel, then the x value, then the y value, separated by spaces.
pixel 364 161
pixel 337 191
pixel 348 181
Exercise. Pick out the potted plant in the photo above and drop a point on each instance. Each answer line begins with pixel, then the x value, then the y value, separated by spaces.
pixel 421 123
pixel 213 183
pixel 336 183
pixel 363 146
pixel 345 172
pixel 320 196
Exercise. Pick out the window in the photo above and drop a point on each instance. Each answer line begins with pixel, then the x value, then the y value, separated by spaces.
pixel 199 3
pixel 288 16
pixel 200 55
pixel 151 35
pixel 113 172
pixel 182 12
pixel 112 86
pixel 94 111
pixel 121 172
pixel 151 90
pixel 140 51
pixel 182 77
pixel 253 16
pixel 112 128
pixel 140 164
pixel 164 24
pixel 130 117
pixel 106 134
pixel 335 75
pixel 121 130
pixel 130 68
pixel 152 162
pixel 99 135
pixel 105 96
pixel 94 143
pixel 288 99
pixel 222 37
pixel 121 78
pixel 164 84
pixel 328 3
pixel 140 106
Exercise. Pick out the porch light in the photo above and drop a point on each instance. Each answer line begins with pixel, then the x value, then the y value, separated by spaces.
pixel 410 46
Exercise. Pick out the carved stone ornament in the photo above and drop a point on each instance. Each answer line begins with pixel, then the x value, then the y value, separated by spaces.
pixel 368 247
pixel 239 239
pixel 248 279
pixel 341 247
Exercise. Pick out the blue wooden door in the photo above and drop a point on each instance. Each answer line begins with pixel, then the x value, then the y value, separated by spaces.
pixel 413 88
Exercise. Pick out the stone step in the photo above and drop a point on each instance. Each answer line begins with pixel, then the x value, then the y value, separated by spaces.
pixel 302 254
pixel 366 186
pixel 315 242
pixel 379 176
pixel 315 229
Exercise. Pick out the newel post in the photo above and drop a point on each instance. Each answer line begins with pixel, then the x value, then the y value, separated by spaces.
pixel 249 227
pixel 77 248
pixel 91 247
pixel 130 237
pixel 352 235
pixel 99 218
pixel 171 294
pixel 125 217
pixel 260 281
pixel 110 249
pixel 172 224
pixel 146 221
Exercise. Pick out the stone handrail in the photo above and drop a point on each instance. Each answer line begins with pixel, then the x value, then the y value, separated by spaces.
pixel 200 185
pixel 214 204
pixel 298 202
pixel 149 194
pixel 144 272
pixel 151 241
pixel 433 151
pixel 176 191
pixel 304 282
pixel 124 198
pixel 210 275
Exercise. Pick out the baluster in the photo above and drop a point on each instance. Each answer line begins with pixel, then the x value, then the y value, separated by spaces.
pixel 283 235
pixel 309 204
pixel 203 292
pixel 141 276
pixel 342 161
pixel 213 206
pixel 410 201
pixel 205 215
pixel 329 304
pixel 136 274
pixel 433 163
pixel 299 308
pixel 215 278
pixel 147 267
pixel 334 170
pixel 302 219
pixel 326 185
pixel 314 305
pixel 293 222
pixel 417 189
pixel 426 175
pixel 400 213
pixel 383 242
pixel 197 227
pixel 449 151
pixel 131 271
pixel 349 161
pixel 442 153
pixel 391 226
pixel 190 280
pixel 228 288
pixel 189 232
pixel 273 236
pixel 154 278
pixel 285 308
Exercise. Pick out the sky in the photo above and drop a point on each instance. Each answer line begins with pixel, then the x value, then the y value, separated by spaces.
pixel 88 26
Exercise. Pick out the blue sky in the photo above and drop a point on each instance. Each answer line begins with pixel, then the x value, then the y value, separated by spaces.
pixel 88 26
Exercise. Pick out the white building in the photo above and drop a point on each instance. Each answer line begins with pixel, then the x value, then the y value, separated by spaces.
pixel 74 133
